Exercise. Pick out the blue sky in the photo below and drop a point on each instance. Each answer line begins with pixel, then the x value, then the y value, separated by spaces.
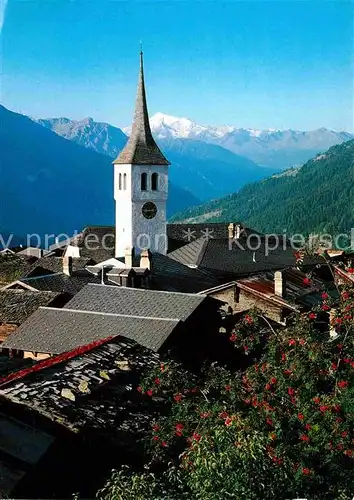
pixel 260 64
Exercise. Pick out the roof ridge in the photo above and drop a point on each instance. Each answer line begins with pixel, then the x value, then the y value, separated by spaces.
pixel 54 360
pixel 146 290
pixel 99 313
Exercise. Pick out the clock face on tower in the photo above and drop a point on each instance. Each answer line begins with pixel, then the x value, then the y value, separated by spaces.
pixel 149 210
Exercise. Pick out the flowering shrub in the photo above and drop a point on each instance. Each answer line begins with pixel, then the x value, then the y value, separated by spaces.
pixel 283 428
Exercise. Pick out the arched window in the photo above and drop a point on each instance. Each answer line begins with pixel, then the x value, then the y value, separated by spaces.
pixel 124 181
pixel 120 181
pixel 143 181
pixel 154 181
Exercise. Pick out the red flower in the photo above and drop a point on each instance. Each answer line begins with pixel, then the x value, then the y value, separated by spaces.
pixel 324 408
pixel 316 400
pixel 223 414
pixel 334 365
pixel 325 296
pixel 228 388
pixel 273 436
pixel 178 397
pixel 349 453
pixel 346 360
pixel 149 392
pixel 342 384
pixel 292 342
pixel 196 437
pixel 156 438
pixel 312 315
pixel 179 427
pixel 164 444
pixel 305 438
pixel 249 319
pixel 345 295
pixel 228 421
pixel 233 337
pixel 308 427
pixel 300 416
pixel 325 307
pixel 338 321
pixel 205 414
pixel 246 348
pixel 283 356
pixel 301 342
pixel 267 387
pixel 157 381
pixel 344 434
pixel 340 346
pixel 307 281
pixel 273 380
pixel 287 372
pixel 350 270
pixel 139 388
pixel 156 427
pixel 269 421
pixel 179 433
pixel 306 471
pixel 291 391
pixel 162 367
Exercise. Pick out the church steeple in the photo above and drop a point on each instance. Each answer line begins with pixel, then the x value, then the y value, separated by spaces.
pixel 141 148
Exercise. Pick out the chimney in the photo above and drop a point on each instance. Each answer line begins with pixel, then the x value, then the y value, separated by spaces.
pixel 145 260
pixel 231 230
pixel 67 265
pixel 279 284
pixel 129 257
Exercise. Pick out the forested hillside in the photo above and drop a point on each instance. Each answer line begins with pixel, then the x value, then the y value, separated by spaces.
pixel 317 197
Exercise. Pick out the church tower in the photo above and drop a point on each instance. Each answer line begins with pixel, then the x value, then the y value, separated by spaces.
pixel 141 185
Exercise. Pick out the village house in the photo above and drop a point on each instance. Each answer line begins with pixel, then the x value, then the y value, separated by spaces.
pixel 164 322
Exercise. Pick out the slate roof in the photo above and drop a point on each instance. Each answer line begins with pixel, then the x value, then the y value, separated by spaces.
pixel 48 265
pixel 60 282
pixel 141 147
pixel 169 274
pixel 17 305
pixel 55 331
pixel 13 266
pixel 136 302
pixel 87 390
pixel 218 255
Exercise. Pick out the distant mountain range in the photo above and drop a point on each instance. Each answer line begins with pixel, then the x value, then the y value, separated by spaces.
pixel 206 170
pixel 276 149
pixel 53 185
pixel 315 198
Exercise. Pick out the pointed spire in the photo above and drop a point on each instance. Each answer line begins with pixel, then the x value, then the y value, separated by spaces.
pixel 141 147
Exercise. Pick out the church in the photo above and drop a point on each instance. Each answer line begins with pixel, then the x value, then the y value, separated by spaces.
pixel 141 185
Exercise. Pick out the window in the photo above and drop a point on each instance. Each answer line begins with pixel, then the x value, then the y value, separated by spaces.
pixel 154 181
pixel 124 181
pixel 120 182
pixel 143 181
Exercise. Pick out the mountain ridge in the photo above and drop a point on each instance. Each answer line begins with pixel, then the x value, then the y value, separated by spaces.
pixel 315 197
pixel 206 170
pixel 272 148
pixel 53 185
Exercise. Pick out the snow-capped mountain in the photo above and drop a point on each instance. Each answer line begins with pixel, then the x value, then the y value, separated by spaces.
pixel 273 148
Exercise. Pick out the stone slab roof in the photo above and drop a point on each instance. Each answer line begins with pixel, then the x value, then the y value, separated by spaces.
pixel 136 302
pixel 55 331
pixel 17 305
pixel 87 390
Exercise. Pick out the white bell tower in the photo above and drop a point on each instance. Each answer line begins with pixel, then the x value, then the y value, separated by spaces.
pixel 141 185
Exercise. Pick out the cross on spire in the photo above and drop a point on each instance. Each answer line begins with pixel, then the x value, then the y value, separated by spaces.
pixel 141 147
